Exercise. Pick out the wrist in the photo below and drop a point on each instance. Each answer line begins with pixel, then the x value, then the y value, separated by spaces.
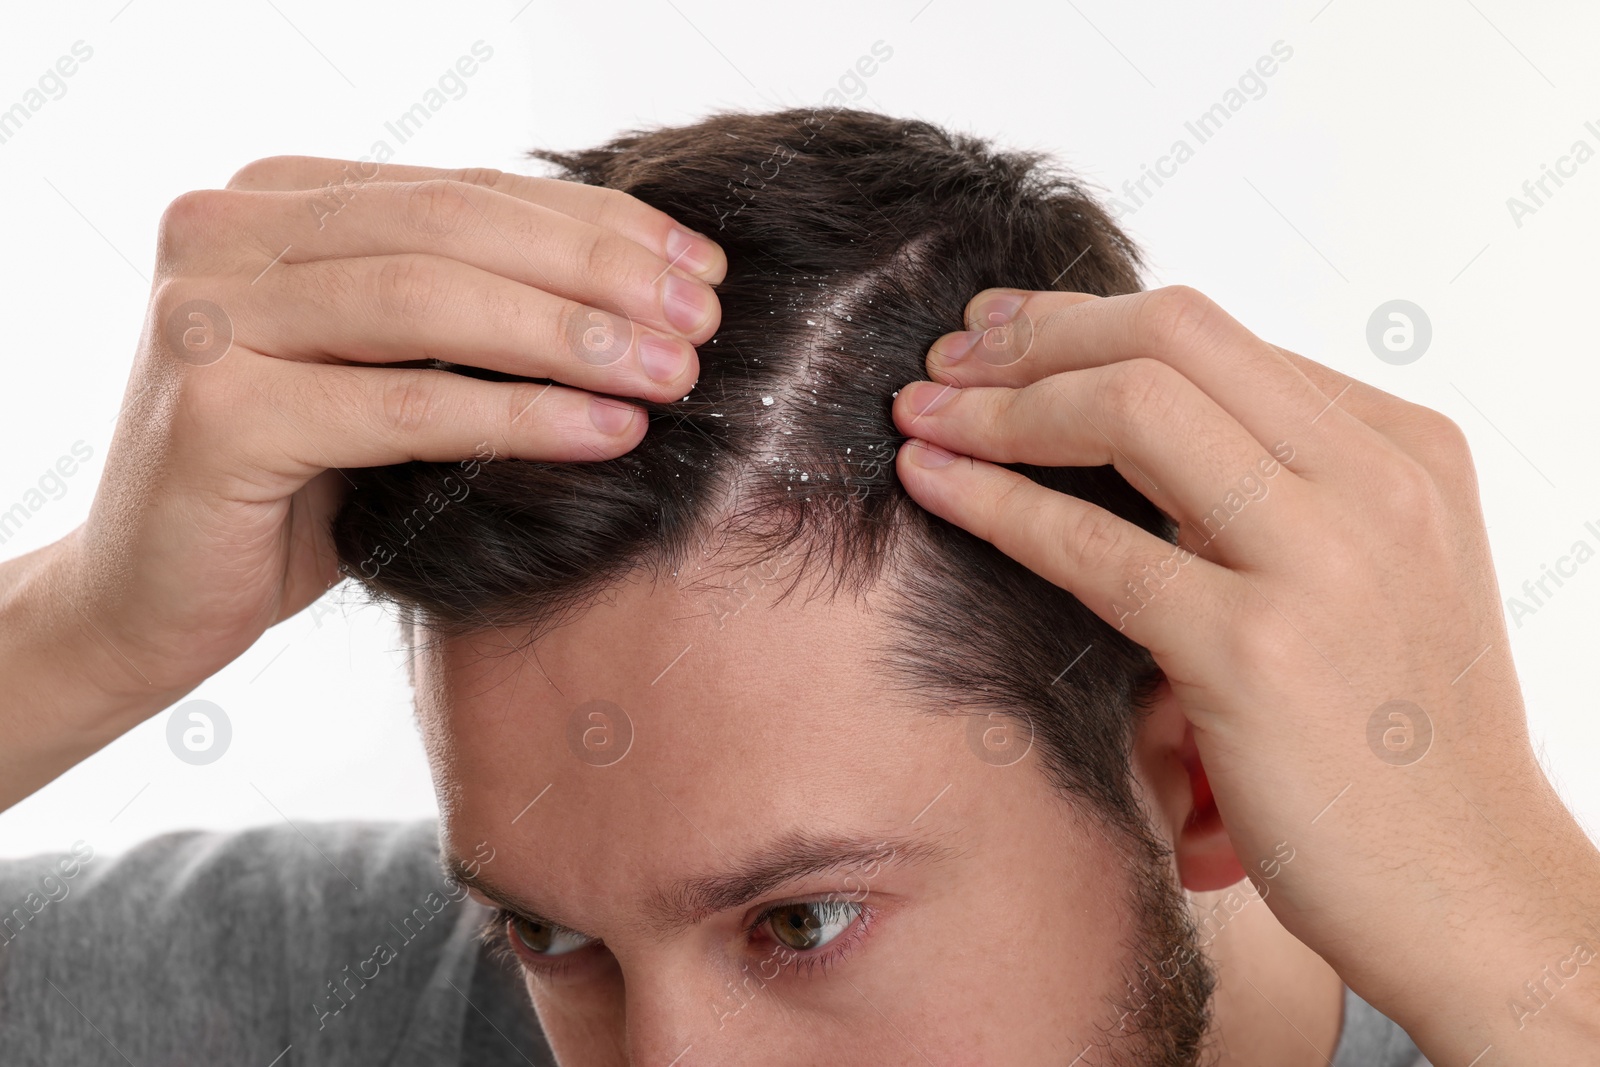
pixel 68 690
pixel 118 683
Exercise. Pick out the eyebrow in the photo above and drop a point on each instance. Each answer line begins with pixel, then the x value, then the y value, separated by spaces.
pixel 793 856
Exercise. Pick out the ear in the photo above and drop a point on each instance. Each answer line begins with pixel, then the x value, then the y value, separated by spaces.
pixel 1167 761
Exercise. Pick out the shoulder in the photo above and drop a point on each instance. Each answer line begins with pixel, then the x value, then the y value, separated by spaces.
pixel 323 935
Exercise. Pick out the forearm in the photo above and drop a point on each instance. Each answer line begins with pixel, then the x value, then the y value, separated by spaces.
pixel 66 690
pixel 1513 966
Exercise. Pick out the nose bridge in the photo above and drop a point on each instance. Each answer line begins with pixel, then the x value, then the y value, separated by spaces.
pixel 686 1015
pixel 669 1021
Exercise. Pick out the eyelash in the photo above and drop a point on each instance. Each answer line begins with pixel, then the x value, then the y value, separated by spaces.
pixel 495 934
pixel 830 955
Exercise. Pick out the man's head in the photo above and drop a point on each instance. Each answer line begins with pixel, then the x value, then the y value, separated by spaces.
pixel 776 766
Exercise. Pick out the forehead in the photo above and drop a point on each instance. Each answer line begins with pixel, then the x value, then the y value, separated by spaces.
pixel 711 671
pixel 672 726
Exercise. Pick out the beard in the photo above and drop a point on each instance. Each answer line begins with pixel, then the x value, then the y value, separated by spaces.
pixel 1163 1011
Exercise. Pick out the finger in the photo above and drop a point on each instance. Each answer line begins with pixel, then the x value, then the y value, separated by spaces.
pixel 1247 377
pixel 526 242
pixel 395 309
pixel 291 421
pixel 1162 434
pixel 1159 595
pixel 342 181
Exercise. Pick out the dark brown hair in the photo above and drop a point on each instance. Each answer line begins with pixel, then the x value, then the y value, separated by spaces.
pixel 853 241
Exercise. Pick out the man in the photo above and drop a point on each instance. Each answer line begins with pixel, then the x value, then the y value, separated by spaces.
pixel 945 818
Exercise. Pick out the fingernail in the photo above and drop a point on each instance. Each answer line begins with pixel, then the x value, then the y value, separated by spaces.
pixel 690 251
pixel 610 416
pixel 995 309
pixel 686 304
pixel 924 454
pixel 928 397
pixel 663 359
pixel 957 346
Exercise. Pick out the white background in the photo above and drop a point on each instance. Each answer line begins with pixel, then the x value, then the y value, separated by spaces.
pixel 1375 165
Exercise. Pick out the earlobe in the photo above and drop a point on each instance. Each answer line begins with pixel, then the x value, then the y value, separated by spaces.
pixel 1206 859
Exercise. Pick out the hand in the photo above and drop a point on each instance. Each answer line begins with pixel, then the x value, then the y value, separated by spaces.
pixel 211 520
pixel 1333 560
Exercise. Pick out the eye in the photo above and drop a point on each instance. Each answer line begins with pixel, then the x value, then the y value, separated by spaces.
pixel 544 939
pixel 812 924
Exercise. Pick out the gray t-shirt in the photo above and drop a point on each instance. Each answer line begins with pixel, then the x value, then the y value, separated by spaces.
pixel 295 946
pixel 1369 1038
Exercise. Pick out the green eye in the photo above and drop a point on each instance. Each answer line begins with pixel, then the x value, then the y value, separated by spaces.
pixel 543 939
pixel 811 925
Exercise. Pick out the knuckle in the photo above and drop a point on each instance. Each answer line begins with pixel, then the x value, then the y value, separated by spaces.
pixel 190 219
pixel 264 172
pixel 169 294
pixel 1012 420
pixel 619 204
pixel 1094 539
pixel 486 177
pixel 504 312
pixel 621 212
pixel 1255 639
pixel 1409 489
pixel 1174 318
pixel 407 289
pixel 530 400
pixel 1449 456
pixel 1015 514
pixel 1137 390
pixel 577 325
pixel 437 206
pixel 1447 431
pixel 184 324
pixel 1441 438
pixel 603 256
pixel 615 209
pixel 408 401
